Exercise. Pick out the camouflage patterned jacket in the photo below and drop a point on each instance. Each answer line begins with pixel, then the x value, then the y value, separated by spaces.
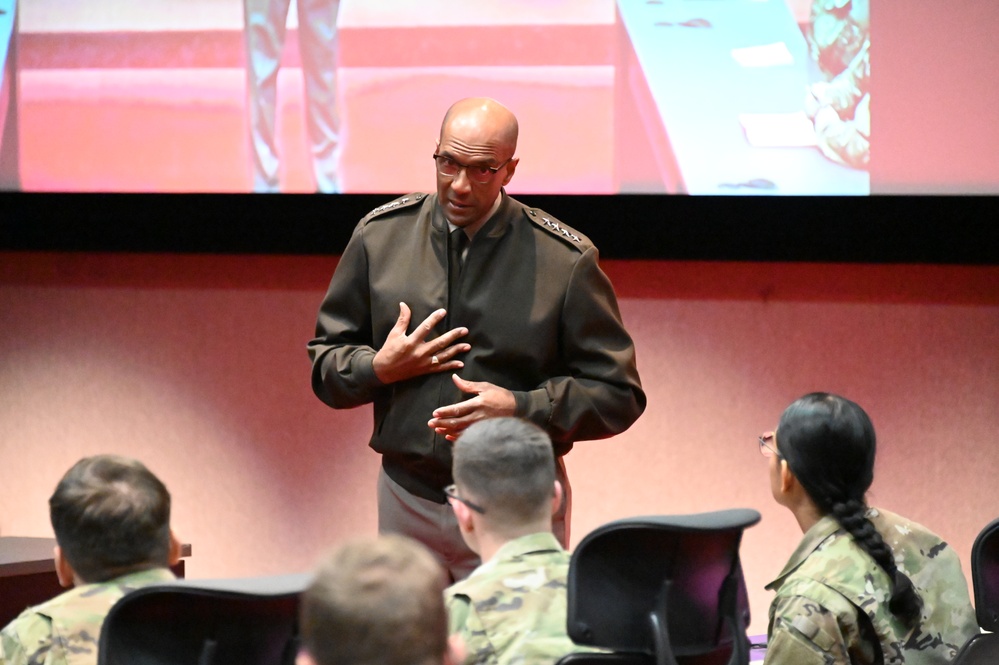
pixel 512 609
pixel 831 595
pixel 66 629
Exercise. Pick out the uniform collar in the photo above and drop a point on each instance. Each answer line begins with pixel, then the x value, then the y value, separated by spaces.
pixel 813 538
pixel 535 543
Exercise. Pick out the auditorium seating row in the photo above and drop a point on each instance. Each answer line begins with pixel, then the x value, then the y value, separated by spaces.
pixel 657 590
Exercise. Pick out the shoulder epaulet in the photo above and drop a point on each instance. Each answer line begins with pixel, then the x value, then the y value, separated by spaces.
pixel 399 203
pixel 556 228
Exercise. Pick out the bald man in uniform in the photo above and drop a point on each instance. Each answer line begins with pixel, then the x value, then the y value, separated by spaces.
pixel 449 308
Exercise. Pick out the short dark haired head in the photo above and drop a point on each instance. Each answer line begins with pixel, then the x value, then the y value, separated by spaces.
pixel 111 516
pixel 508 466
pixel 376 601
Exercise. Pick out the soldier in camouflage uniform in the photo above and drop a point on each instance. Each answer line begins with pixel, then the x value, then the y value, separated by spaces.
pixel 377 600
pixel 512 608
pixel 111 518
pixel 865 585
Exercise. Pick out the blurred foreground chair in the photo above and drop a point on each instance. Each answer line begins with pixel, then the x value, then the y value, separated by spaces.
pixel 661 590
pixel 984 648
pixel 249 621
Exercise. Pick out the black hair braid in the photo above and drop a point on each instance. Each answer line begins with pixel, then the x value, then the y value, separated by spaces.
pixel 905 603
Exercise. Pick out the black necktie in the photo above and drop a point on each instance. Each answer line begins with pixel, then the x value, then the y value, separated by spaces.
pixel 456 244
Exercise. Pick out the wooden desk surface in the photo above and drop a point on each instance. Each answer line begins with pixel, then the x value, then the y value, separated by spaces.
pixel 24 556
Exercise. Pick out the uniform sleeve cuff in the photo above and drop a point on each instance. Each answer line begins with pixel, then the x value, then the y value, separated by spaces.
pixel 533 405
pixel 363 367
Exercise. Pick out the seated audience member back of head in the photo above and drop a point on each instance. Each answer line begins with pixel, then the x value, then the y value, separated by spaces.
pixel 512 608
pixel 111 518
pixel 375 601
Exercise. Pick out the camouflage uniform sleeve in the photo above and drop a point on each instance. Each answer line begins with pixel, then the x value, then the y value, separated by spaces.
pixel 457 612
pixel 803 632
pixel 463 621
pixel 21 642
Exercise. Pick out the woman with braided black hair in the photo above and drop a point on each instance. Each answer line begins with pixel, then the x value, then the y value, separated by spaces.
pixel 864 585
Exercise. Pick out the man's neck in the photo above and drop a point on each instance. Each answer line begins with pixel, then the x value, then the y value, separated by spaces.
pixel 806 513
pixel 115 573
pixel 491 542
pixel 474 227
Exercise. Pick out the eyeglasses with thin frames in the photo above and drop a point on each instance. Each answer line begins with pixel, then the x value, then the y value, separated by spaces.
pixel 765 448
pixel 450 167
pixel 452 493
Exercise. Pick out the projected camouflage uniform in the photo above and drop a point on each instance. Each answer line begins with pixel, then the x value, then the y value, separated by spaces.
pixel 844 128
pixel 512 609
pixel 838 30
pixel 832 599
pixel 66 629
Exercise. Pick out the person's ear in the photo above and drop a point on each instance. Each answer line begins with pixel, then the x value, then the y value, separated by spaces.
pixel 64 571
pixel 787 479
pixel 557 497
pixel 463 514
pixel 511 166
pixel 174 557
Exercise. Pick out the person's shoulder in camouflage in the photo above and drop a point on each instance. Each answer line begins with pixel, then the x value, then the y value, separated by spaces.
pixel 66 629
pixel 127 508
pixel 830 602
pixel 810 623
pixel 812 617
pixel 513 608
pixel 948 617
pixel 864 585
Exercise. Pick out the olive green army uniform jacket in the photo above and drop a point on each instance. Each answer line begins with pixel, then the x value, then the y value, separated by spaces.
pixel 542 320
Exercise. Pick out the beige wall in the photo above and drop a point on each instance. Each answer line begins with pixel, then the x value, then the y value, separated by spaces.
pixel 197 365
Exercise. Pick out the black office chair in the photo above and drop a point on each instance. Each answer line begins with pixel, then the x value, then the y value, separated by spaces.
pixel 984 648
pixel 661 590
pixel 250 621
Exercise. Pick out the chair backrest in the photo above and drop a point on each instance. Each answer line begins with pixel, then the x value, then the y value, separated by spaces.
pixel 981 649
pixel 606 658
pixel 251 621
pixel 670 586
pixel 985 576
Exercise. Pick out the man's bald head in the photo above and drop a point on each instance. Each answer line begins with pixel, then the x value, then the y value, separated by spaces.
pixel 485 116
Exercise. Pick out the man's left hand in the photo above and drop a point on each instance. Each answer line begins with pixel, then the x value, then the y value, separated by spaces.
pixel 489 401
